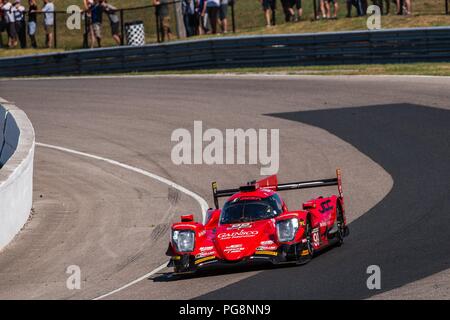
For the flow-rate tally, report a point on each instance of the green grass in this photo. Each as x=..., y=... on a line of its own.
x=413, y=69
x=249, y=21
x=425, y=69
x=4, y=53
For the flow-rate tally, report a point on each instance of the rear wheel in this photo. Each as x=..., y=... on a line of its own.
x=340, y=225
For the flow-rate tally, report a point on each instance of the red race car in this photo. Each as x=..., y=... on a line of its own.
x=255, y=225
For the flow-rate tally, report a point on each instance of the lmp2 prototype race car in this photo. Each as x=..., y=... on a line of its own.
x=255, y=225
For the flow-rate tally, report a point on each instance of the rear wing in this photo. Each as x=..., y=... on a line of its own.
x=271, y=183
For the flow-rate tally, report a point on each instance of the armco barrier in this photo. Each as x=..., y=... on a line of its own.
x=356, y=47
x=16, y=172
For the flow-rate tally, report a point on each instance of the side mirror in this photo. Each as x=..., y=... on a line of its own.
x=187, y=218
x=212, y=217
x=309, y=205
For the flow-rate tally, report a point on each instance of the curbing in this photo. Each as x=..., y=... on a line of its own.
x=16, y=176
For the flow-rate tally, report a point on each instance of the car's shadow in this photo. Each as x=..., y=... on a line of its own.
x=221, y=271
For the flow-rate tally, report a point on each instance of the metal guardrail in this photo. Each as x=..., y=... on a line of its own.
x=357, y=47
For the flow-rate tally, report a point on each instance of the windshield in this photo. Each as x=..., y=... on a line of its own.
x=250, y=210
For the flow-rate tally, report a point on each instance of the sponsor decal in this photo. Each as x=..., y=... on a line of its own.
x=206, y=248
x=235, y=248
x=204, y=254
x=315, y=236
x=264, y=248
x=250, y=198
x=304, y=253
x=325, y=206
x=267, y=245
x=202, y=233
x=237, y=234
x=240, y=226
x=204, y=259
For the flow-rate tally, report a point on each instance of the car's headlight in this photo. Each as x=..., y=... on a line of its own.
x=184, y=240
x=286, y=229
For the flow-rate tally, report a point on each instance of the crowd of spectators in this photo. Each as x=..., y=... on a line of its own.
x=93, y=13
x=199, y=17
x=205, y=16
x=403, y=7
x=13, y=22
x=329, y=9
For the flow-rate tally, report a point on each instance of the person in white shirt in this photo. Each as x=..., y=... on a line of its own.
x=49, y=21
x=212, y=8
x=8, y=14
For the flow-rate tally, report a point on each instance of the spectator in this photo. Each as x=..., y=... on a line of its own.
x=97, y=19
x=89, y=32
x=383, y=4
x=114, y=20
x=212, y=8
x=269, y=7
x=297, y=4
x=162, y=12
x=399, y=5
x=188, y=9
x=287, y=10
x=364, y=5
x=223, y=13
x=358, y=5
x=21, y=29
x=199, y=29
x=49, y=20
x=404, y=7
x=8, y=14
x=323, y=9
x=2, y=25
x=328, y=8
x=32, y=18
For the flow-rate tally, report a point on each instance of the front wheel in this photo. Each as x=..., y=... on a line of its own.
x=307, y=251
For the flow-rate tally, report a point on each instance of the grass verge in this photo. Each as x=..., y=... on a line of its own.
x=249, y=21
x=421, y=69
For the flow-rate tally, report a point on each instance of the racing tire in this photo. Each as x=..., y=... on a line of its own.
x=308, y=244
x=341, y=226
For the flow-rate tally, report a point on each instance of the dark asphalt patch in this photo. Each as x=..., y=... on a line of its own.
x=407, y=234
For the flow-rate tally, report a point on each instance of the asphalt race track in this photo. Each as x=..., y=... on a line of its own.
x=389, y=135
x=403, y=233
